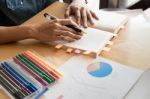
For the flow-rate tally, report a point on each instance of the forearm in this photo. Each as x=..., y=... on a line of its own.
x=16, y=33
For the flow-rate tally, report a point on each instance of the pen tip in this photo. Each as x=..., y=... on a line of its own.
x=45, y=14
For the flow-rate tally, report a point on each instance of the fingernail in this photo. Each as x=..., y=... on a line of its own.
x=78, y=37
x=79, y=24
x=85, y=25
x=92, y=23
x=81, y=33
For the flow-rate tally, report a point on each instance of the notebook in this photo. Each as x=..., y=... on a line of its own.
x=98, y=36
x=94, y=41
x=110, y=21
x=87, y=78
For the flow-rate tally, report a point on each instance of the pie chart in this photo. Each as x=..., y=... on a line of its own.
x=99, y=69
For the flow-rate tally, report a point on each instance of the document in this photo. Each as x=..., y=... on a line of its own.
x=87, y=78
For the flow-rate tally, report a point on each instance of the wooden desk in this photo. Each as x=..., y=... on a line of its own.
x=131, y=46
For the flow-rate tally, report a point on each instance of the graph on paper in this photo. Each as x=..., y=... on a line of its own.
x=99, y=69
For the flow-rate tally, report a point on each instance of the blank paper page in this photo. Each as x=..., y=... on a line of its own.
x=94, y=40
x=109, y=21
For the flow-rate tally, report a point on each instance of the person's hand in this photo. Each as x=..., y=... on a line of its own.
x=79, y=9
x=55, y=30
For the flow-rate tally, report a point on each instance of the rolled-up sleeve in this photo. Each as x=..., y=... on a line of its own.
x=21, y=10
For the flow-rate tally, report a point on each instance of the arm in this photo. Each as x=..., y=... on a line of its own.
x=16, y=33
x=45, y=32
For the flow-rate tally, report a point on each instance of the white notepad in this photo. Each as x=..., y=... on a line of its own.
x=94, y=40
x=97, y=37
x=110, y=21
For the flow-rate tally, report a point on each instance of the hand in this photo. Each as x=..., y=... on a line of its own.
x=79, y=9
x=55, y=30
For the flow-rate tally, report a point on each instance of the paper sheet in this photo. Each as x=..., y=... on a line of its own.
x=147, y=14
x=109, y=21
x=142, y=88
x=84, y=79
x=93, y=41
x=129, y=13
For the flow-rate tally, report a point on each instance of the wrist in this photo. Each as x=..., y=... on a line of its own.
x=27, y=31
x=31, y=31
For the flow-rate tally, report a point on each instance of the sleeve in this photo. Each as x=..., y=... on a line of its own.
x=146, y=1
x=19, y=10
x=2, y=4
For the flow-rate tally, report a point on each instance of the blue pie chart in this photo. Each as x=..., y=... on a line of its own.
x=99, y=69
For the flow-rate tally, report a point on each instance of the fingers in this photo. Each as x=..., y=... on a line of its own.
x=90, y=18
x=88, y=15
x=68, y=11
x=78, y=16
x=65, y=28
x=65, y=38
x=84, y=17
x=67, y=22
x=69, y=25
x=76, y=12
x=68, y=34
x=94, y=15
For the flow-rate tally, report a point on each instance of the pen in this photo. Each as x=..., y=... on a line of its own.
x=16, y=81
x=21, y=76
x=31, y=87
x=51, y=69
x=50, y=17
x=40, y=66
x=40, y=94
x=42, y=81
x=12, y=90
x=22, y=91
x=34, y=58
x=35, y=69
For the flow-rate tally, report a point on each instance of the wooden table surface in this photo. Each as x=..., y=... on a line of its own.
x=131, y=46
